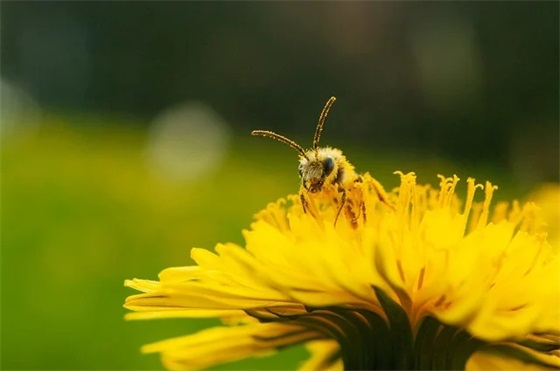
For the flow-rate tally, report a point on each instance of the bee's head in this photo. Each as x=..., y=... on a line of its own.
x=317, y=165
x=315, y=170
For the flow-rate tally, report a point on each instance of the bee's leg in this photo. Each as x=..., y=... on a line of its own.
x=352, y=217
x=342, y=202
x=359, y=179
x=303, y=202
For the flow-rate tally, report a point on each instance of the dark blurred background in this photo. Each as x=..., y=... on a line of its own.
x=470, y=81
x=125, y=136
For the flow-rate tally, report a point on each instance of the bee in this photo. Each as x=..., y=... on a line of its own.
x=324, y=165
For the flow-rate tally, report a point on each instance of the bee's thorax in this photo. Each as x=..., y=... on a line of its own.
x=324, y=166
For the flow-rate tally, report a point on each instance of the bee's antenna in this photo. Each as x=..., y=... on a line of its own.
x=321, y=123
x=280, y=138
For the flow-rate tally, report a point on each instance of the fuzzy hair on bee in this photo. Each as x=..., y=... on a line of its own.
x=320, y=166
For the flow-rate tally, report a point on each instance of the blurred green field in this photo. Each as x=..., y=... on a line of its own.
x=82, y=211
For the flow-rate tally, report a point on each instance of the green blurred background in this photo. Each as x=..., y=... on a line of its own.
x=125, y=137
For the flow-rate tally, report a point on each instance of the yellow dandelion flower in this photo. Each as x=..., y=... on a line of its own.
x=547, y=197
x=435, y=283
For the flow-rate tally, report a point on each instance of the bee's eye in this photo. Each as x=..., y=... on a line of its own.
x=328, y=165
